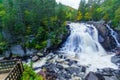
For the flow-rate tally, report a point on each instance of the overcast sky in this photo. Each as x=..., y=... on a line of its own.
x=72, y=3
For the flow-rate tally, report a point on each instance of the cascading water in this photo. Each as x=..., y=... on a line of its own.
x=82, y=45
x=114, y=35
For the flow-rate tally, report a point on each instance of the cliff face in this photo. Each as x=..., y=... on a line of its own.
x=105, y=37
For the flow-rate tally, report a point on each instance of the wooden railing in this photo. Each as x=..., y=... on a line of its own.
x=13, y=67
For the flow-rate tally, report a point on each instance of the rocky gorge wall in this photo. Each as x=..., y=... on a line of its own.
x=105, y=37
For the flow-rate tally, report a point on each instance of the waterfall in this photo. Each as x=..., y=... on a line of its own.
x=114, y=35
x=82, y=45
x=83, y=39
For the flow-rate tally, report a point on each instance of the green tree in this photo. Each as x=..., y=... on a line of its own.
x=82, y=8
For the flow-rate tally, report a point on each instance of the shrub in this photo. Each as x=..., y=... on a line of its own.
x=29, y=74
x=3, y=46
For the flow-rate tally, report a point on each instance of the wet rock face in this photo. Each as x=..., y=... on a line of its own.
x=59, y=67
x=35, y=58
x=109, y=73
x=102, y=32
x=101, y=39
x=30, y=52
x=104, y=74
x=17, y=50
x=94, y=76
x=7, y=54
x=100, y=25
x=62, y=73
x=117, y=51
x=118, y=35
x=116, y=59
x=105, y=38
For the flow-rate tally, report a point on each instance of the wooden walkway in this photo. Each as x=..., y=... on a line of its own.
x=3, y=76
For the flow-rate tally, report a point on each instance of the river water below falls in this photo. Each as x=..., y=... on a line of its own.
x=82, y=45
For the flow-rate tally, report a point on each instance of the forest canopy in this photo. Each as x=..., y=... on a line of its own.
x=32, y=23
x=108, y=10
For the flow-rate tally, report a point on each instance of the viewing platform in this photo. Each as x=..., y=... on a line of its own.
x=11, y=69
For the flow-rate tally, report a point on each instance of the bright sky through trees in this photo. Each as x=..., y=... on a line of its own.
x=72, y=3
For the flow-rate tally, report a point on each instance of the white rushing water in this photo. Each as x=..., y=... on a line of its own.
x=82, y=44
x=114, y=35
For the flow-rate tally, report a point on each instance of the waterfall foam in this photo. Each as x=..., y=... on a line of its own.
x=83, y=44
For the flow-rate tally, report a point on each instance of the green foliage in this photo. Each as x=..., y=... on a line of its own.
x=2, y=13
x=117, y=15
x=28, y=30
x=108, y=10
x=44, y=19
x=1, y=37
x=3, y=46
x=29, y=74
x=41, y=34
x=88, y=16
x=106, y=17
x=41, y=45
x=37, y=46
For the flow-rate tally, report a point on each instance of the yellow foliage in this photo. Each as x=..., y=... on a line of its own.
x=65, y=23
x=79, y=16
x=106, y=17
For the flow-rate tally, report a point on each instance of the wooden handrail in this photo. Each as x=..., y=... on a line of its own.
x=16, y=70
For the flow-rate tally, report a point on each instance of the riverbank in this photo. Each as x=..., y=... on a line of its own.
x=60, y=67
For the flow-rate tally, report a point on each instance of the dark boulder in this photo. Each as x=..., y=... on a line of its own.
x=115, y=76
x=94, y=76
x=115, y=59
x=35, y=58
x=116, y=50
x=30, y=51
x=40, y=54
x=106, y=71
x=71, y=62
x=111, y=78
x=73, y=70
